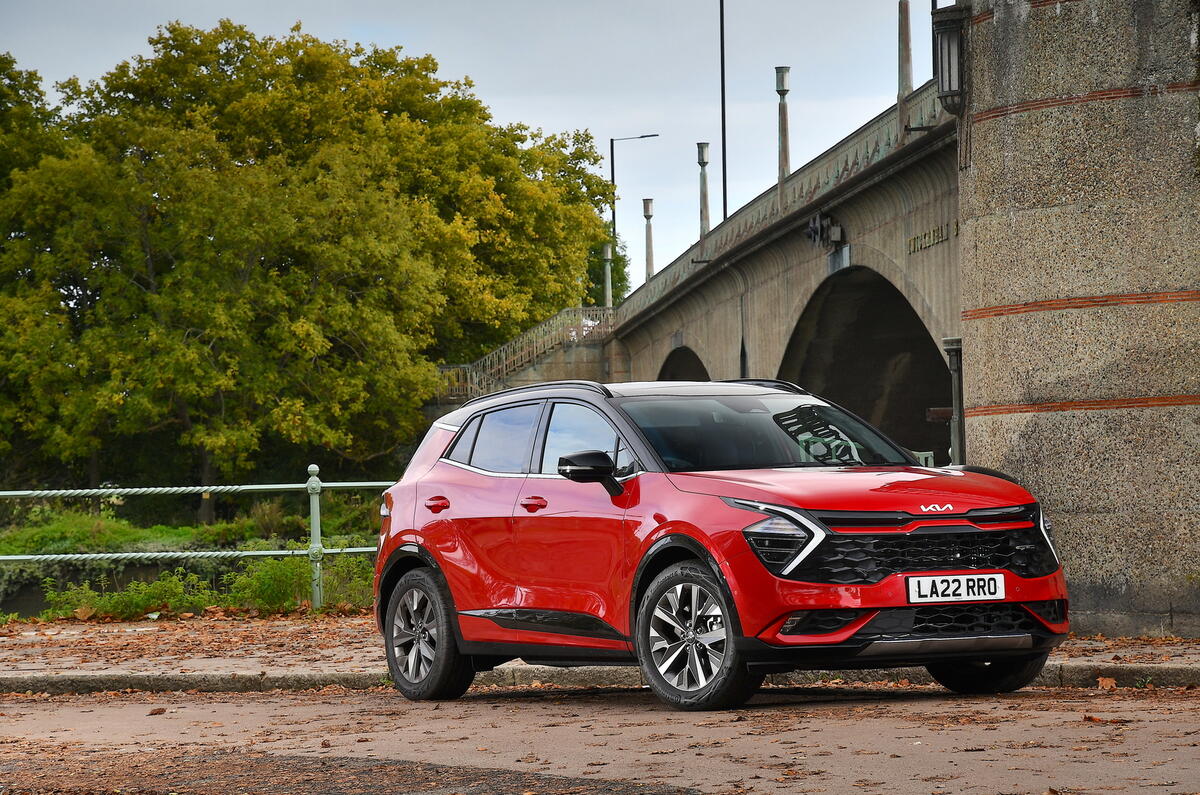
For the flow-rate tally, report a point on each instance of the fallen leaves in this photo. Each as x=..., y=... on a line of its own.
x=1115, y=721
x=157, y=711
x=1106, y=683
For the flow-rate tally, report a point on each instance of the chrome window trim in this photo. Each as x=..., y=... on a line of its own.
x=445, y=427
x=479, y=471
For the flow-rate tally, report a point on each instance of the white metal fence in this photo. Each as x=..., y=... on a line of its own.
x=315, y=553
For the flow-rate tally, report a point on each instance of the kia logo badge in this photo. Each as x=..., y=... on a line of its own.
x=936, y=507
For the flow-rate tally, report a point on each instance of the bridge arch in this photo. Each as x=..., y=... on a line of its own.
x=682, y=364
x=860, y=343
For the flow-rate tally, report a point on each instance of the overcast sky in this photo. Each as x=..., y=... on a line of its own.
x=616, y=68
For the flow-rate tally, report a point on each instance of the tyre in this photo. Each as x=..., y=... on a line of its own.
x=421, y=652
x=1003, y=675
x=685, y=642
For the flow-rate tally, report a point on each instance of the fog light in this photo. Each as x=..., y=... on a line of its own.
x=819, y=622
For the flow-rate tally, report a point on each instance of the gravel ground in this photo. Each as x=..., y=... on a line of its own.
x=860, y=738
x=335, y=644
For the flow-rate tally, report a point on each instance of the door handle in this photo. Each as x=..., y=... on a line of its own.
x=532, y=504
x=437, y=504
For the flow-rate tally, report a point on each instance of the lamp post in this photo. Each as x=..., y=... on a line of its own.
x=612, y=173
x=948, y=41
x=724, y=150
x=702, y=160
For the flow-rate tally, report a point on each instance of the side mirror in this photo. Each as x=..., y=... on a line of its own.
x=591, y=466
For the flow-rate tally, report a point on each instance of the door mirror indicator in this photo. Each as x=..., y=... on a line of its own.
x=591, y=466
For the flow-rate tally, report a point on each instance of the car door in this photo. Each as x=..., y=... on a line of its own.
x=467, y=499
x=570, y=537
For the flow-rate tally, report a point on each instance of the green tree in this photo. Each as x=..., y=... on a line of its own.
x=249, y=240
x=595, y=274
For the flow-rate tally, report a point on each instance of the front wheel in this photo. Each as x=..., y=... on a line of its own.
x=422, y=656
x=685, y=642
x=1003, y=675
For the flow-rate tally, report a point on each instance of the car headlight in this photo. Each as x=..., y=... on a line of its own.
x=783, y=539
x=1047, y=532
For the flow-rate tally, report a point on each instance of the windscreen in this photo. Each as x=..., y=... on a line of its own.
x=702, y=433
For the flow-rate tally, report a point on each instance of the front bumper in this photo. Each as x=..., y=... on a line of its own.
x=891, y=653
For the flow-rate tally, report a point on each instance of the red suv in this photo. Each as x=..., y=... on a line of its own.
x=710, y=533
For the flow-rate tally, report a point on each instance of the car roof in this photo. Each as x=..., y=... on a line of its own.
x=683, y=388
x=598, y=392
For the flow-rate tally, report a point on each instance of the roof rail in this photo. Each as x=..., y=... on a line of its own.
x=571, y=384
x=774, y=383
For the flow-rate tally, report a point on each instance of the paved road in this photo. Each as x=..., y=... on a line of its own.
x=834, y=738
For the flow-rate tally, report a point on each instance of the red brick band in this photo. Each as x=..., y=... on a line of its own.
x=1082, y=302
x=984, y=16
x=1084, y=405
x=1106, y=95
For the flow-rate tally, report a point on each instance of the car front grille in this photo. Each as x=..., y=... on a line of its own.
x=866, y=558
x=934, y=621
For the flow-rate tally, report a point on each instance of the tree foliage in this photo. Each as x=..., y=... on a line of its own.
x=249, y=243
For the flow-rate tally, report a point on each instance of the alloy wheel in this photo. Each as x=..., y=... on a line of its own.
x=415, y=634
x=687, y=636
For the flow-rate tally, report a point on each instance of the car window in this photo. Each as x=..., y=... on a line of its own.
x=573, y=428
x=502, y=444
x=700, y=433
x=461, y=450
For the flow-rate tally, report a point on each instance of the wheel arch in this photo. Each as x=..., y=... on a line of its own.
x=666, y=552
x=404, y=559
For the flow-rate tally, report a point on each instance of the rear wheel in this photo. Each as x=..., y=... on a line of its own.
x=422, y=656
x=685, y=642
x=1003, y=675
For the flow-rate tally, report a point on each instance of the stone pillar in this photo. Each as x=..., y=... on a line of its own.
x=648, y=213
x=702, y=159
x=1080, y=209
x=904, y=84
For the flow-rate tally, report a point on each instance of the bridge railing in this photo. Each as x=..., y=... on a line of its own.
x=864, y=147
x=570, y=326
x=315, y=553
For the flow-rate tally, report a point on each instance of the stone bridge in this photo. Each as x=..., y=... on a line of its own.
x=1053, y=225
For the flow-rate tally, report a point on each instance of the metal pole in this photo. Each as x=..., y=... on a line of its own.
x=724, y=148
x=612, y=173
x=608, y=274
x=702, y=159
x=612, y=180
x=953, y=348
x=315, y=550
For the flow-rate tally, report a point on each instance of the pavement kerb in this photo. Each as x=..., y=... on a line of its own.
x=1056, y=674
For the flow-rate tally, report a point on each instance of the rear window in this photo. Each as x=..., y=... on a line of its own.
x=465, y=443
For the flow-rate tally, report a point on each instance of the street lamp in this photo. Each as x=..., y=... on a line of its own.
x=948, y=62
x=612, y=173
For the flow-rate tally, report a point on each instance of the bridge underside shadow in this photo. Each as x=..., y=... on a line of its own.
x=860, y=344
x=683, y=364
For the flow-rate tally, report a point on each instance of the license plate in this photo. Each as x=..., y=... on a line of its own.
x=956, y=588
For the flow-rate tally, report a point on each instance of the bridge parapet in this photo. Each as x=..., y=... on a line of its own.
x=807, y=185
x=590, y=324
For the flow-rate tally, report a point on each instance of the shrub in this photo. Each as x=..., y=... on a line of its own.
x=270, y=584
x=173, y=592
